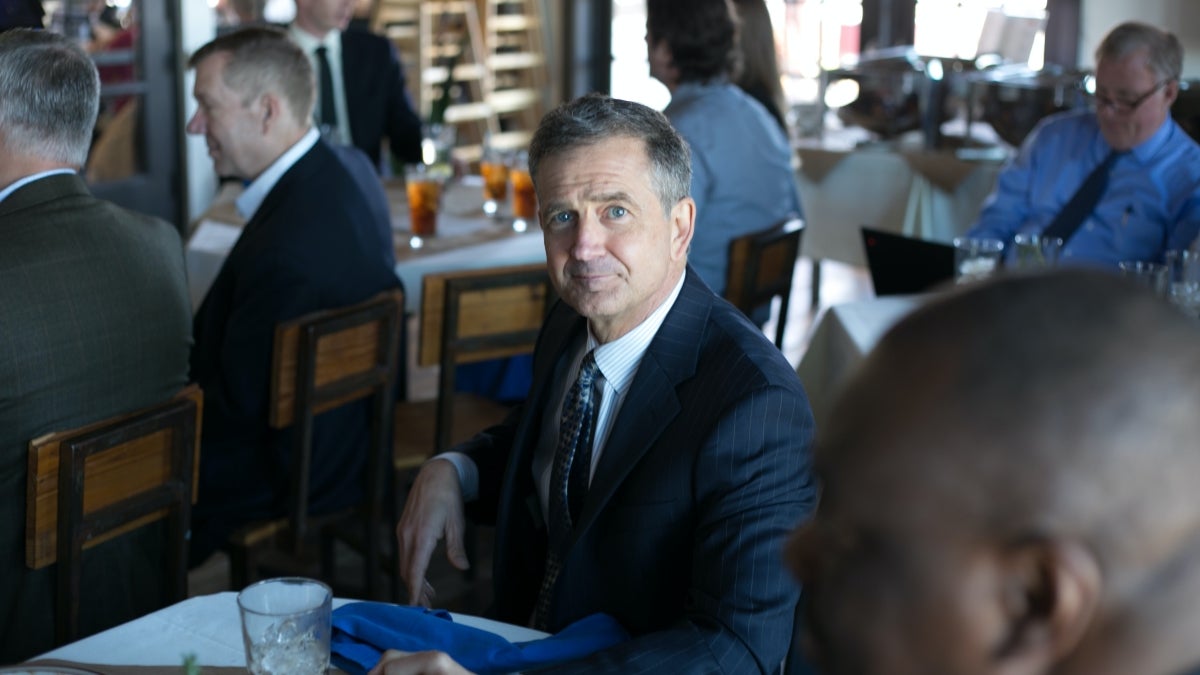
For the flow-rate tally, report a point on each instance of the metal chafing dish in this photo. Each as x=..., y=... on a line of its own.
x=1014, y=99
x=897, y=91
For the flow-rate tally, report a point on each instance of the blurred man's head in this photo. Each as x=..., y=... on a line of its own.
x=691, y=40
x=1137, y=79
x=612, y=180
x=320, y=17
x=254, y=94
x=1009, y=488
x=49, y=98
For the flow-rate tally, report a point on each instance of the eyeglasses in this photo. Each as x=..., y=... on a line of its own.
x=1125, y=107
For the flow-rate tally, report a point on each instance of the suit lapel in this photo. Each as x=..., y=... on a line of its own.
x=652, y=403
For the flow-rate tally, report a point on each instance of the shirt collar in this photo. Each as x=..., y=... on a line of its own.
x=618, y=360
x=252, y=197
x=1149, y=147
x=22, y=182
x=307, y=42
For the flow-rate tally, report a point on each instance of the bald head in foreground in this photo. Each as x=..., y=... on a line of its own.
x=1023, y=500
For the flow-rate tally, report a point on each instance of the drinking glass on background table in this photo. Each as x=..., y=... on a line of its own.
x=494, y=168
x=286, y=626
x=424, y=190
x=1147, y=274
x=1183, y=281
x=976, y=259
x=524, y=199
x=1036, y=251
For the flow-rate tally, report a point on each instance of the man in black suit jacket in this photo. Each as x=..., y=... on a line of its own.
x=94, y=322
x=311, y=242
x=696, y=463
x=368, y=96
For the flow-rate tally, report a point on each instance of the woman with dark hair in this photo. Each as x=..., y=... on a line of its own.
x=760, y=69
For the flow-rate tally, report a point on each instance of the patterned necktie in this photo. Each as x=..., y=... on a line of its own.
x=327, y=111
x=569, y=476
x=1082, y=203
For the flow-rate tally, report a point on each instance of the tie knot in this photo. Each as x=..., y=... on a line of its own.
x=588, y=370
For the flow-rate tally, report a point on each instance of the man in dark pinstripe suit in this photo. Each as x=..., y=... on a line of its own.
x=94, y=322
x=699, y=461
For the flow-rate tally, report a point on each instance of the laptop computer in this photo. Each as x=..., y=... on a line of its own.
x=901, y=265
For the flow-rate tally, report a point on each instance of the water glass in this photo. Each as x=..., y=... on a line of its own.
x=1036, y=251
x=286, y=626
x=1183, y=281
x=1146, y=274
x=976, y=259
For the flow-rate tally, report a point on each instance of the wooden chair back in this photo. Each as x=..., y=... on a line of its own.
x=325, y=360
x=91, y=484
x=761, y=267
x=477, y=315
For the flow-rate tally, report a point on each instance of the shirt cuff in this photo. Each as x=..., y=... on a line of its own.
x=468, y=473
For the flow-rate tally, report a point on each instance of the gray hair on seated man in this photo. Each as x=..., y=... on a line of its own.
x=49, y=97
x=593, y=118
x=1163, y=51
x=1009, y=486
x=263, y=58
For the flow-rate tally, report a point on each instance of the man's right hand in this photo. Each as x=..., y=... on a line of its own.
x=434, y=510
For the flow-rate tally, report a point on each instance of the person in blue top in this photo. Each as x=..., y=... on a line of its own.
x=742, y=178
x=1152, y=200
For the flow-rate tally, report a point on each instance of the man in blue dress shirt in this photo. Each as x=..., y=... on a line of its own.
x=742, y=178
x=1152, y=201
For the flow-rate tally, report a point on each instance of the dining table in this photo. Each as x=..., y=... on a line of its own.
x=843, y=337
x=206, y=627
x=466, y=237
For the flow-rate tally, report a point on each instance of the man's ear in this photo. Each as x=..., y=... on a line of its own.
x=269, y=109
x=683, y=225
x=1051, y=591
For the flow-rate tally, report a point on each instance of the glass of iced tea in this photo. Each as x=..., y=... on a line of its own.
x=494, y=168
x=424, y=190
x=524, y=199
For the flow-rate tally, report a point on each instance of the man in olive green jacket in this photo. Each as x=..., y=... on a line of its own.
x=94, y=322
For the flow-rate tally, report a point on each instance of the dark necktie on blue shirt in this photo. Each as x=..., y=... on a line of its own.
x=327, y=111
x=1083, y=202
x=569, y=476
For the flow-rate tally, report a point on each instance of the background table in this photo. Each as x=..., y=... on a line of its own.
x=467, y=239
x=844, y=335
x=208, y=626
x=933, y=195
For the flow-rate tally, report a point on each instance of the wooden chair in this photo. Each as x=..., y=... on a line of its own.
x=91, y=484
x=466, y=317
x=323, y=361
x=761, y=266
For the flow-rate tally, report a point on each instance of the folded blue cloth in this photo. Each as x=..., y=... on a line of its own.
x=363, y=630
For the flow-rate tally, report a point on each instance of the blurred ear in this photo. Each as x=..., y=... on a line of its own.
x=1172, y=91
x=1051, y=592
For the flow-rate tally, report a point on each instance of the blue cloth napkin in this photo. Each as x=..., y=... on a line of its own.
x=363, y=630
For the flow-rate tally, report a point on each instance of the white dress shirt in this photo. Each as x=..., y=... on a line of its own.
x=618, y=362
x=252, y=197
x=333, y=53
x=22, y=182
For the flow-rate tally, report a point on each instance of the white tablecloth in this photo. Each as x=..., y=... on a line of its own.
x=844, y=335
x=926, y=194
x=209, y=627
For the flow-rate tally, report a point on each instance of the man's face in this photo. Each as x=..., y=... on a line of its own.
x=612, y=252
x=1131, y=101
x=321, y=16
x=893, y=581
x=662, y=67
x=232, y=129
